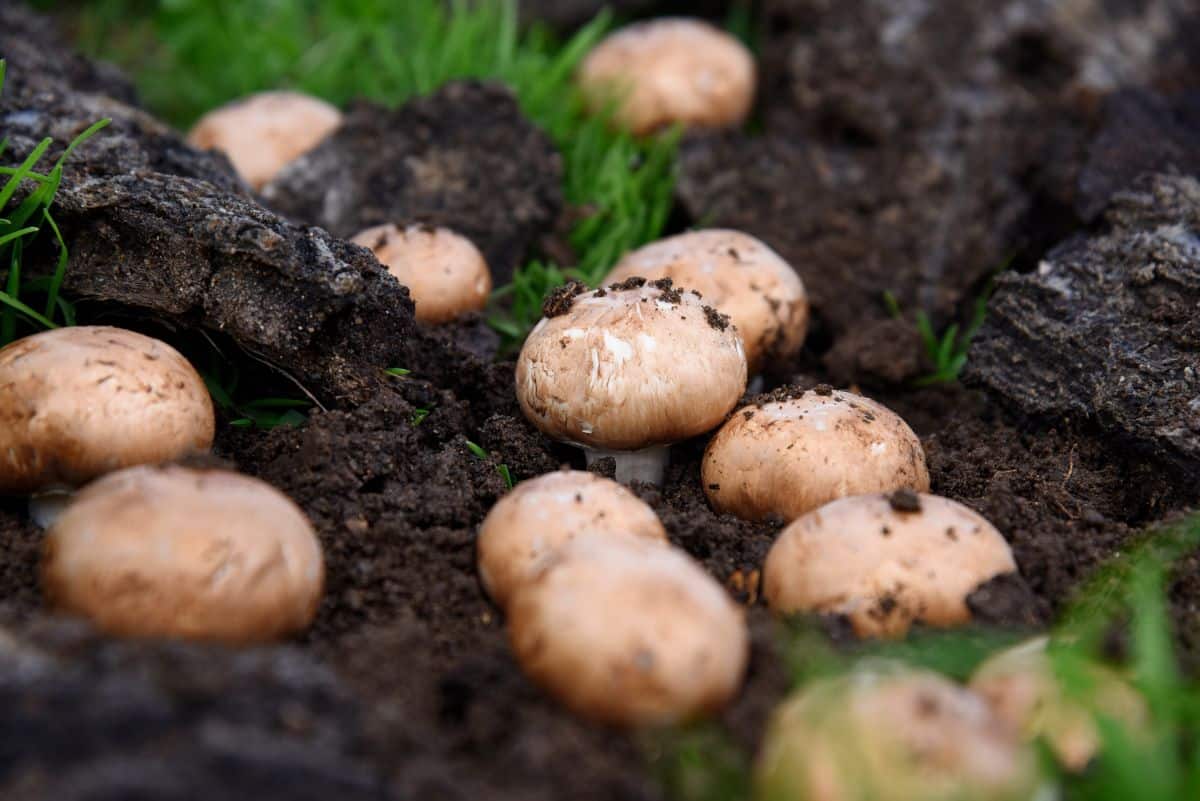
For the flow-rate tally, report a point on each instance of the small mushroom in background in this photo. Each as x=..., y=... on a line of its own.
x=76, y=403
x=176, y=552
x=791, y=453
x=628, y=370
x=885, y=562
x=628, y=632
x=1023, y=689
x=263, y=132
x=671, y=70
x=737, y=275
x=888, y=733
x=445, y=273
x=541, y=515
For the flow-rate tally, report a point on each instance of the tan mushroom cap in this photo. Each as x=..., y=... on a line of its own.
x=263, y=132
x=624, y=369
x=672, y=70
x=871, y=559
x=887, y=733
x=787, y=457
x=76, y=403
x=625, y=631
x=739, y=276
x=445, y=273
x=541, y=515
x=175, y=552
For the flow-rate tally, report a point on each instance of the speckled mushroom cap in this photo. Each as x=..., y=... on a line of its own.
x=263, y=132
x=885, y=562
x=671, y=70
x=631, y=366
x=175, y=552
x=791, y=452
x=888, y=733
x=737, y=275
x=76, y=403
x=542, y=514
x=625, y=631
x=445, y=273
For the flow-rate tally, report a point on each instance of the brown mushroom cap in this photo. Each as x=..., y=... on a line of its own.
x=738, y=275
x=175, y=552
x=542, y=514
x=625, y=631
x=76, y=403
x=624, y=369
x=444, y=272
x=786, y=457
x=883, y=565
x=668, y=71
x=263, y=132
x=888, y=733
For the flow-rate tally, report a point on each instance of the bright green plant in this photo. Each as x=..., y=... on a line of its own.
x=223, y=380
x=479, y=453
x=948, y=350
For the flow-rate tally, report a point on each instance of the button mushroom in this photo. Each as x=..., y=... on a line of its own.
x=885, y=562
x=175, y=552
x=627, y=370
x=628, y=632
x=792, y=452
x=263, y=132
x=542, y=514
x=668, y=71
x=739, y=276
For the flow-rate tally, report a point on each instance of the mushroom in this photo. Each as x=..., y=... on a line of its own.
x=671, y=70
x=627, y=370
x=176, y=552
x=1024, y=689
x=791, y=452
x=739, y=276
x=542, y=514
x=444, y=272
x=263, y=132
x=885, y=561
x=625, y=631
x=889, y=733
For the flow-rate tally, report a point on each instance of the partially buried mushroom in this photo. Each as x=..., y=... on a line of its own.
x=444, y=272
x=627, y=370
x=541, y=515
x=176, y=552
x=885, y=562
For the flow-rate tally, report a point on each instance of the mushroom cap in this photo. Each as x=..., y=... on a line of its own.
x=540, y=515
x=629, y=368
x=739, y=276
x=445, y=273
x=625, y=631
x=884, y=567
x=176, y=552
x=671, y=70
x=783, y=458
x=888, y=733
x=263, y=132
x=76, y=403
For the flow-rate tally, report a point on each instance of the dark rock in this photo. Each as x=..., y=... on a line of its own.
x=1007, y=600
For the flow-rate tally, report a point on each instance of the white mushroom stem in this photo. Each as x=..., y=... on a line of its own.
x=46, y=507
x=645, y=465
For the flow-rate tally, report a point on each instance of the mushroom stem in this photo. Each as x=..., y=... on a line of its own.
x=645, y=465
x=46, y=507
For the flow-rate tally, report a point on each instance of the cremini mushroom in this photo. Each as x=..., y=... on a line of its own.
x=737, y=275
x=444, y=272
x=542, y=514
x=176, y=552
x=627, y=370
x=791, y=452
x=670, y=70
x=885, y=561
x=888, y=733
x=263, y=132
x=625, y=631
